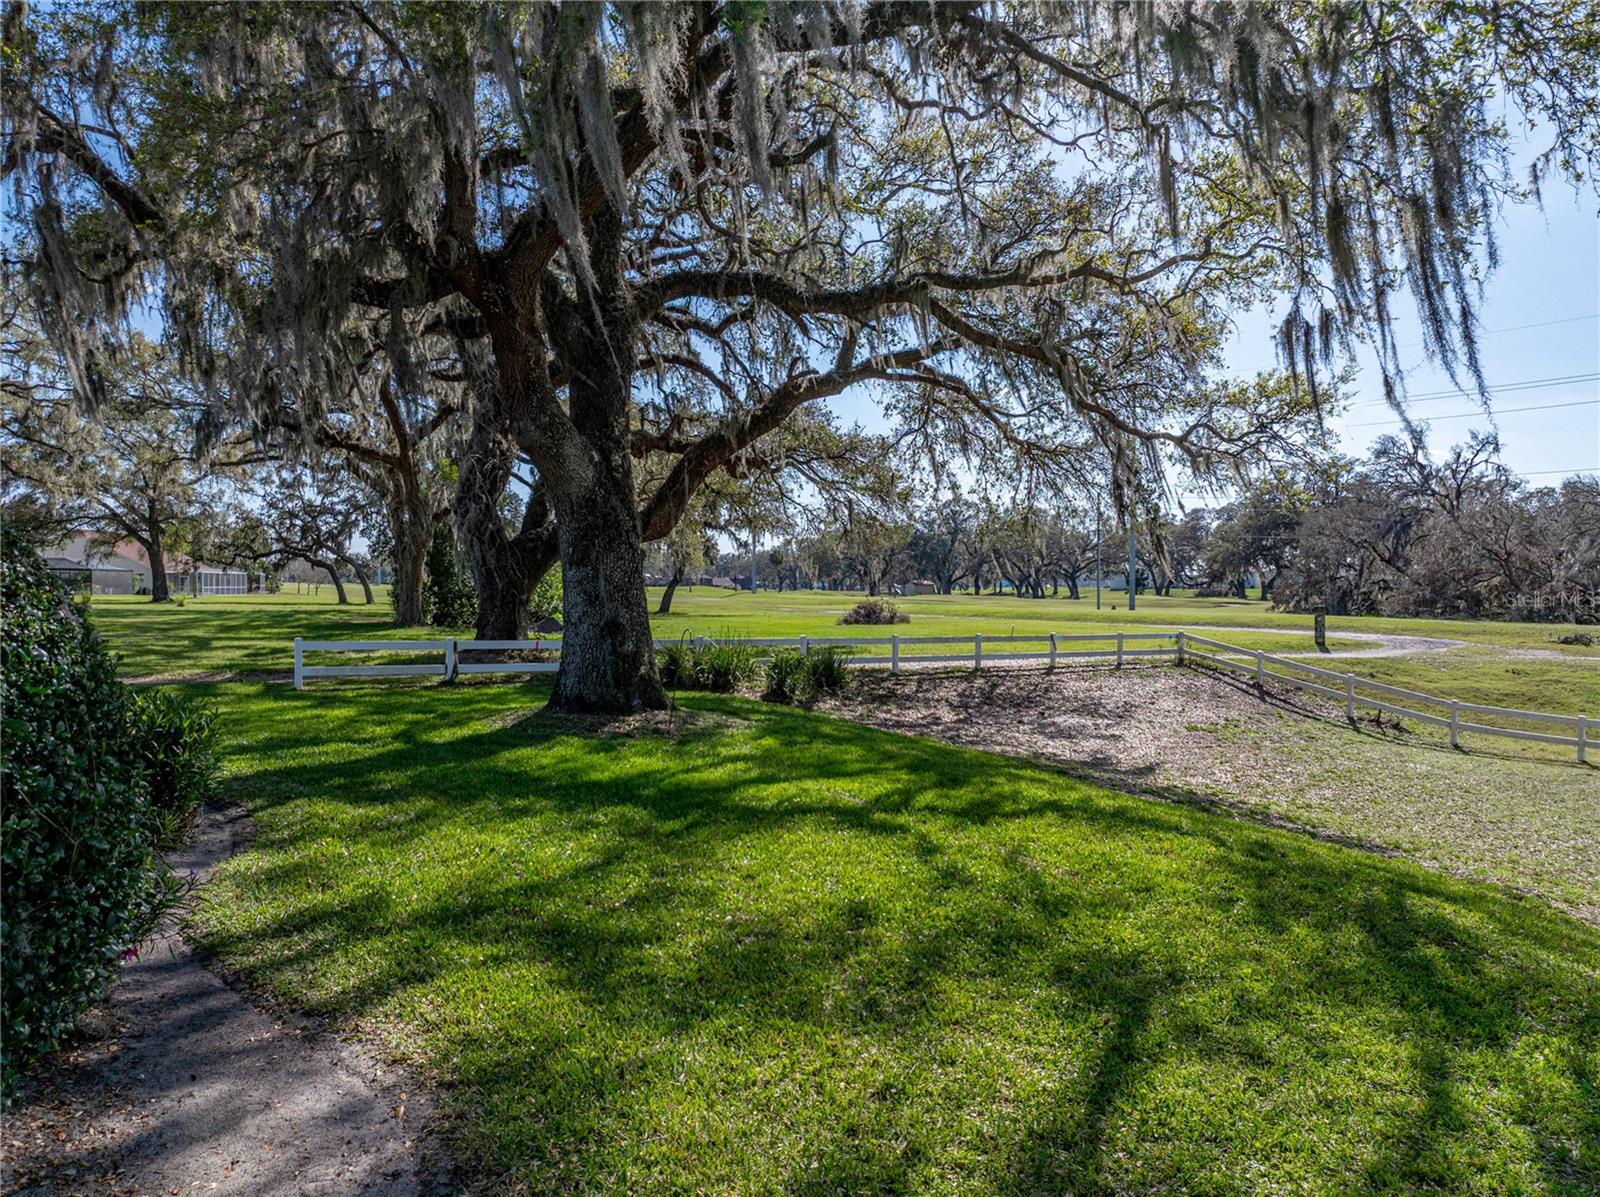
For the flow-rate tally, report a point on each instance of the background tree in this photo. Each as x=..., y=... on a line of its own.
x=870, y=544
x=131, y=470
x=309, y=510
x=687, y=549
x=942, y=544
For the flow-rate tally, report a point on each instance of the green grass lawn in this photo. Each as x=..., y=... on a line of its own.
x=1519, y=813
x=781, y=953
x=811, y=612
x=255, y=634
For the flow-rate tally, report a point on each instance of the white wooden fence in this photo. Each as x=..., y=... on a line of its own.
x=1184, y=648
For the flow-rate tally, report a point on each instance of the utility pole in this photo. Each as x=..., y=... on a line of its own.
x=1133, y=568
x=752, y=558
x=1097, y=556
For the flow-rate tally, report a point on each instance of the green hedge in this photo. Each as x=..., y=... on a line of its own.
x=91, y=778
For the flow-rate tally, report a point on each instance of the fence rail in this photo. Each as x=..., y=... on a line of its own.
x=1185, y=648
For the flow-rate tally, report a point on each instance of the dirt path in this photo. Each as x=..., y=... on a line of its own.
x=1389, y=644
x=179, y=1085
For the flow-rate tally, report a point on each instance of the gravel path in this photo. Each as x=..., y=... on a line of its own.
x=1389, y=645
x=179, y=1085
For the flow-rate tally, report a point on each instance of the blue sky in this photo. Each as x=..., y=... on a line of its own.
x=1539, y=319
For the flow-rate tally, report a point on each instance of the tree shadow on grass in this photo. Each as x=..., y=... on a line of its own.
x=772, y=878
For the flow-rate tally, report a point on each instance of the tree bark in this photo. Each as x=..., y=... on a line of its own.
x=411, y=529
x=665, y=607
x=333, y=574
x=608, y=661
x=159, y=592
x=361, y=576
x=505, y=569
x=585, y=462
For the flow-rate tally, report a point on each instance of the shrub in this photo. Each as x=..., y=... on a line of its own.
x=1584, y=638
x=785, y=676
x=676, y=665
x=721, y=666
x=874, y=611
x=449, y=598
x=78, y=830
x=801, y=679
x=546, y=598
x=177, y=741
x=827, y=672
x=725, y=667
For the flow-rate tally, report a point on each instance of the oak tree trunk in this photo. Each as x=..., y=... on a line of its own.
x=608, y=660
x=411, y=539
x=159, y=592
x=665, y=607
x=505, y=569
x=608, y=663
x=333, y=573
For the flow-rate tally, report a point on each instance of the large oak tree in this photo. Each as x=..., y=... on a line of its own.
x=666, y=229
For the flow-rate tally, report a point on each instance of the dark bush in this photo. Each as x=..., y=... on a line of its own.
x=721, y=666
x=676, y=665
x=1585, y=639
x=78, y=829
x=826, y=671
x=785, y=676
x=801, y=679
x=874, y=611
x=177, y=739
x=449, y=598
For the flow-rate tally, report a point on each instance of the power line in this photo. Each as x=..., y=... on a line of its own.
x=1503, y=388
x=1548, y=381
x=1487, y=332
x=1467, y=415
x=1542, y=324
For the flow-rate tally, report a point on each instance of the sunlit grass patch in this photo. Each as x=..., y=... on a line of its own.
x=769, y=951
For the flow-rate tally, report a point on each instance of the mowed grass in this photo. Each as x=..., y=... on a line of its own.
x=233, y=633
x=1517, y=665
x=1522, y=814
x=786, y=613
x=772, y=952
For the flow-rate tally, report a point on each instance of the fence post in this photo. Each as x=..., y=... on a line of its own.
x=1583, y=739
x=1258, y=669
x=894, y=653
x=805, y=646
x=1119, y=650
x=977, y=650
x=299, y=666
x=1052, y=650
x=449, y=658
x=1350, y=697
x=1180, y=647
x=1455, y=724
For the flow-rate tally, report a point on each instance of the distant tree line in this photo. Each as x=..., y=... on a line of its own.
x=1395, y=534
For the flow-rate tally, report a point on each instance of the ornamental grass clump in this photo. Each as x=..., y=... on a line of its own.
x=721, y=666
x=798, y=679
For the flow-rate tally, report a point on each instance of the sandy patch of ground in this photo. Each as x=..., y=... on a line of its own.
x=1277, y=756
